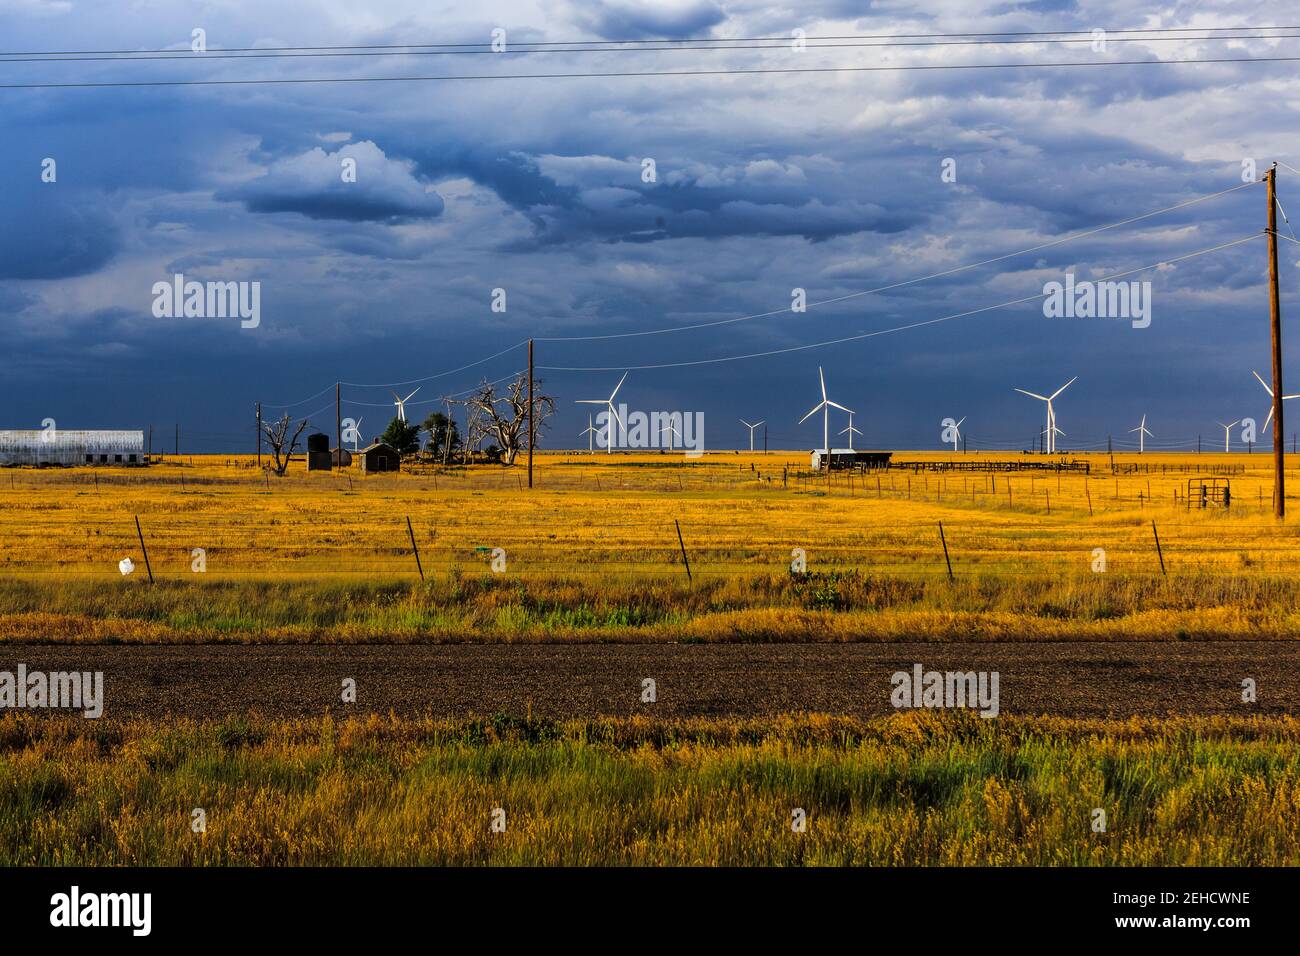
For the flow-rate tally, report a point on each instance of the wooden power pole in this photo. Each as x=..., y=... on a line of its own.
x=532, y=435
x=259, y=435
x=1275, y=323
x=338, y=424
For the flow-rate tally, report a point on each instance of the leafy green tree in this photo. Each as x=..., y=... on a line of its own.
x=403, y=436
x=440, y=432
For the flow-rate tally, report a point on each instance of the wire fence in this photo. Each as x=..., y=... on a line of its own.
x=590, y=519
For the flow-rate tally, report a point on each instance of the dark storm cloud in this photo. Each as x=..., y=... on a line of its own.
x=630, y=20
x=765, y=183
x=53, y=232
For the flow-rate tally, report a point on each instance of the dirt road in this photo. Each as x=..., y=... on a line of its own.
x=1069, y=679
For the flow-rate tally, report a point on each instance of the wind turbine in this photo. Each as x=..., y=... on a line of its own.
x=1268, y=420
x=1227, y=435
x=1142, y=434
x=851, y=431
x=825, y=408
x=671, y=429
x=751, y=430
x=613, y=412
x=956, y=432
x=1052, y=431
x=590, y=432
x=401, y=403
x=356, y=432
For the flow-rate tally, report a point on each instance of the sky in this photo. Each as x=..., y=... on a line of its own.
x=837, y=183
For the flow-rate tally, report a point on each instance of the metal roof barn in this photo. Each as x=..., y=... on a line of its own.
x=66, y=447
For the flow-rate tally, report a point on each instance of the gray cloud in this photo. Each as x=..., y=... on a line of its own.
x=312, y=184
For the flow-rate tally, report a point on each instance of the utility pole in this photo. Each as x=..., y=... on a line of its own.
x=1198, y=444
x=150, y=441
x=178, y=439
x=764, y=439
x=259, y=435
x=338, y=423
x=531, y=434
x=1110, y=448
x=446, y=442
x=1275, y=323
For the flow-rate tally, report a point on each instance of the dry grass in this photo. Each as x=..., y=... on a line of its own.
x=592, y=553
x=905, y=790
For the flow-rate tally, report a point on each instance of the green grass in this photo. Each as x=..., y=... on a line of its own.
x=839, y=605
x=913, y=789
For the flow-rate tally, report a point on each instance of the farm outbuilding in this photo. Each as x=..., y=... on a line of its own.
x=318, y=452
x=380, y=457
x=848, y=458
x=67, y=447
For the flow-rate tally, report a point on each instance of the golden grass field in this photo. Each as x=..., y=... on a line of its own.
x=915, y=789
x=592, y=551
x=592, y=554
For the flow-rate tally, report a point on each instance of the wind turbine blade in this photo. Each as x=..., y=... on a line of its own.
x=822, y=376
x=746, y=424
x=614, y=411
x=1064, y=387
x=1041, y=398
x=958, y=425
x=811, y=414
x=618, y=386
x=1267, y=420
x=412, y=395
x=590, y=401
x=1262, y=382
x=840, y=407
x=763, y=422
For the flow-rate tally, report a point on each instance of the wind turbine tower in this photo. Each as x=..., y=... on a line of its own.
x=613, y=413
x=1142, y=434
x=1052, y=431
x=401, y=403
x=1227, y=433
x=824, y=407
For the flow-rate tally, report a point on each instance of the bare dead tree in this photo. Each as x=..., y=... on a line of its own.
x=505, y=416
x=474, y=431
x=282, y=445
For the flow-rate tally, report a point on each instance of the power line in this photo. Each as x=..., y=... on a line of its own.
x=932, y=67
x=907, y=282
x=679, y=40
x=427, y=378
x=521, y=50
x=901, y=328
x=429, y=401
x=300, y=402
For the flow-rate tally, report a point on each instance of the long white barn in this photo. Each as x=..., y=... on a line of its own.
x=65, y=447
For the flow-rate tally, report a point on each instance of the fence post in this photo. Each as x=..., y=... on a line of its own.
x=944, y=542
x=1158, y=550
x=414, y=547
x=682, y=545
x=140, y=534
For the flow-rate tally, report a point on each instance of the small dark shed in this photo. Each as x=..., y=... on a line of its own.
x=380, y=457
x=318, y=452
